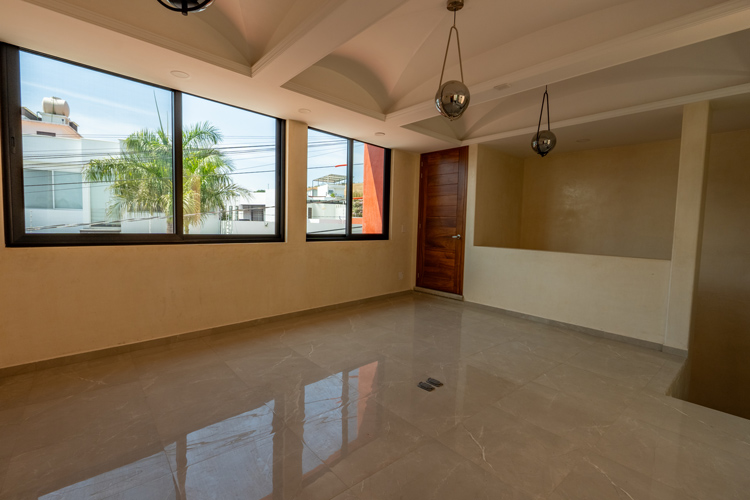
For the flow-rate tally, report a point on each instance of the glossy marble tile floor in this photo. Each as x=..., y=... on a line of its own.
x=327, y=406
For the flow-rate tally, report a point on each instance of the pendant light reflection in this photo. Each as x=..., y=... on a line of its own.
x=452, y=97
x=545, y=141
x=186, y=6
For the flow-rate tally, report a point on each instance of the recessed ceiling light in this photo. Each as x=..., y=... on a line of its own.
x=179, y=74
x=304, y=110
x=583, y=140
x=379, y=133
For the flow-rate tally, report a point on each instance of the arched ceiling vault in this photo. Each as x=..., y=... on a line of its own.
x=364, y=66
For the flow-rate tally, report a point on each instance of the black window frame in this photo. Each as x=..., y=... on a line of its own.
x=12, y=171
x=349, y=236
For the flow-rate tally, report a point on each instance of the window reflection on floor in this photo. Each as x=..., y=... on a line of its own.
x=256, y=448
x=344, y=428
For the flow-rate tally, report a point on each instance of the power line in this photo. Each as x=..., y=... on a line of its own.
x=82, y=183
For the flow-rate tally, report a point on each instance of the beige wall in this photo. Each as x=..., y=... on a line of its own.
x=498, y=199
x=625, y=296
x=720, y=350
x=616, y=201
x=59, y=301
x=688, y=223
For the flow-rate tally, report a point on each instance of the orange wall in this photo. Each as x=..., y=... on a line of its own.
x=372, y=209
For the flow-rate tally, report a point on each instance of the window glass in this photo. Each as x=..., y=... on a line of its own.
x=68, y=188
x=37, y=188
x=96, y=151
x=347, y=188
x=229, y=169
x=327, y=165
x=368, y=188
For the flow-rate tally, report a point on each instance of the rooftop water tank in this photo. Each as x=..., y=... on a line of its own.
x=55, y=106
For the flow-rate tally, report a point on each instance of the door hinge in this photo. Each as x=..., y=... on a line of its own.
x=420, y=226
x=417, y=275
x=421, y=176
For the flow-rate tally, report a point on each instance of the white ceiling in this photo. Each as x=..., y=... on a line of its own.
x=618, y=70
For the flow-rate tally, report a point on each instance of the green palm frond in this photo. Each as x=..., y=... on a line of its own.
x=140, y=177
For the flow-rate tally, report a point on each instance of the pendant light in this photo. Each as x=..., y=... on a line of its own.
x=543, y=142
x=186, y=6
x=452, y=97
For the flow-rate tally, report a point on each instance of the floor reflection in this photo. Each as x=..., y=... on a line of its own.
x=256, y=452
x=345, y=429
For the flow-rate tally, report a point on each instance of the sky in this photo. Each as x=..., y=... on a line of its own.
x=110, y=108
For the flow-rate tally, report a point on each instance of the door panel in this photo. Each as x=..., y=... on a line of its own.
x=439, y=180
x=446, y=211
x=443, y=190
x=441, y=222
x=448, y=201
x=442, y=211
x=441, y=258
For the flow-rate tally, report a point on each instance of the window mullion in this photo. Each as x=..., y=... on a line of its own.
x=12, y=152
x=177, y=174
x=349, y=179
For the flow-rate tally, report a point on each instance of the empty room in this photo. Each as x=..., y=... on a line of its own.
x=360, y=250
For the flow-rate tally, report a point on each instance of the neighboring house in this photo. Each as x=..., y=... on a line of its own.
x=58, y=200
x=326, y=204
x=254, y=215
x=329, y=186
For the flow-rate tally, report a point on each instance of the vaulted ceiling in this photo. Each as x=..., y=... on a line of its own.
x=615, y=68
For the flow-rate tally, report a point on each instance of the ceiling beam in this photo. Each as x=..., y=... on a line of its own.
x=332, y=99
x=435, y=135
x=335, y=24
x=723, y=19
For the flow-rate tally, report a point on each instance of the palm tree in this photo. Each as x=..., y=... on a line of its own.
x=141, y=176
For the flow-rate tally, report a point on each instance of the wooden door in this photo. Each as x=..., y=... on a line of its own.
x=442, y=214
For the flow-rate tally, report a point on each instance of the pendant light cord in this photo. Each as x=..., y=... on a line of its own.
x=545, y=97
x=458, y=43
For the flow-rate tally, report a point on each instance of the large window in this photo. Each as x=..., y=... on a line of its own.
x=95, y=158
x=347, y=188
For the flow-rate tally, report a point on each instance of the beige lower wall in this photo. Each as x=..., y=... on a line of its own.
x=61, y=301
x=612, y=294
x=620, y=295
x=616, y=201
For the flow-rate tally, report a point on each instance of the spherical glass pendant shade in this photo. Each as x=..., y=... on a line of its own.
x=452, y=99
x=190, y=5
x=545, y=143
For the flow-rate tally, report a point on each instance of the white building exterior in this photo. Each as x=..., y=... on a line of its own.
x=326, y=204
x=58, y=200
